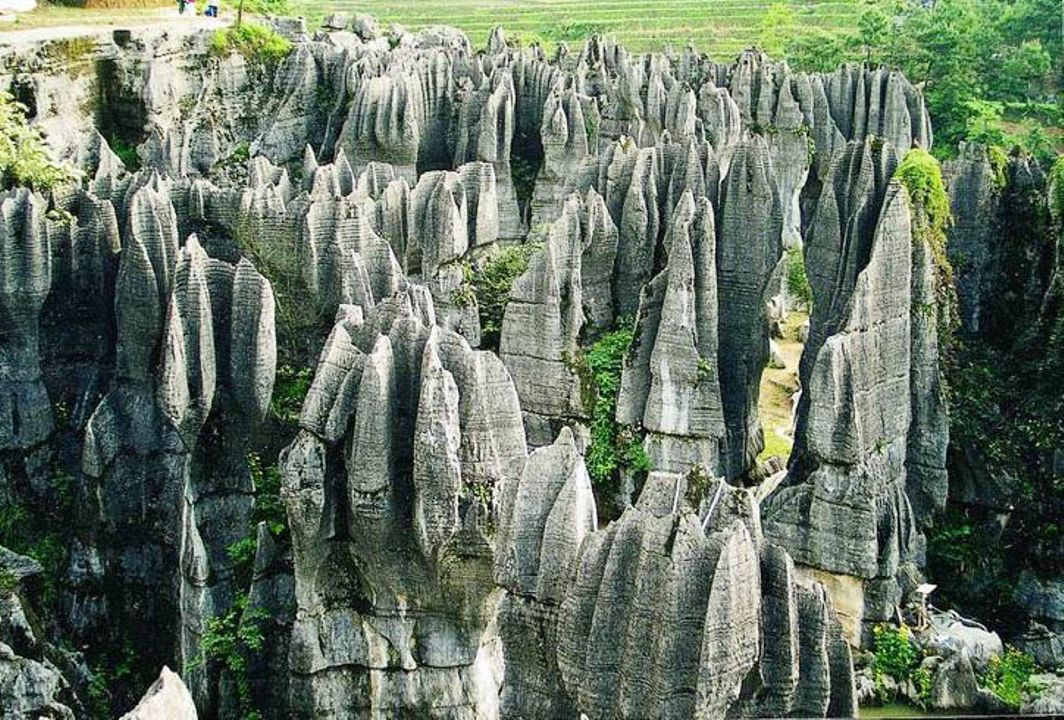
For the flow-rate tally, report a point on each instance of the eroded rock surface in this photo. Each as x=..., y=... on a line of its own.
x=443, y=553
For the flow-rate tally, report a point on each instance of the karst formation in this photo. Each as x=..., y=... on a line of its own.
x=251, y=339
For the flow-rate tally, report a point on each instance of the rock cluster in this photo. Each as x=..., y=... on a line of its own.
x=404, y=435
x=847, y=503
x=32, y=679
x=443, y=554
x=680, y=608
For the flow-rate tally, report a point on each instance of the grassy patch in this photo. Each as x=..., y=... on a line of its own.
x=231, y=639
x=778, y=385
x=921, y=174
x=256, y=43
x=797, y=280
x=72, y=50
x=49, y=15
x=1009, y=676
x=897, y=657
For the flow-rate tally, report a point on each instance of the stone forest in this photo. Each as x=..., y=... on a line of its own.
x=356, y=372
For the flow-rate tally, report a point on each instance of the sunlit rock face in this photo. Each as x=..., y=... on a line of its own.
x=446, y=553
x=863, y=478
x=406, y=433
x=678, y=609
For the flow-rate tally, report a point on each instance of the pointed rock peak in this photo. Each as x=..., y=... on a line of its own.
x=565, y=439
x=497, y=40
x=685, y=208
x=167, y=698
x=108, y=164
x=349, y=315
x=310, y=161
x=194, y=248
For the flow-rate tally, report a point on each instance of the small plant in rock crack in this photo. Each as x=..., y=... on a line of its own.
x=230, y=640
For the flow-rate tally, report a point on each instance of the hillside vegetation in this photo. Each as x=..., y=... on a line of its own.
x=719, y=27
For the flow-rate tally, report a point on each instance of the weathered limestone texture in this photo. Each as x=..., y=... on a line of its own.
x=31, y=683
x=844, y=507
x=664, y=613
x=976, y=205
x=315, y=229
x=406, y=433
x=749, y=249
x=671, y=386
x=168, y=698
x=566, y=287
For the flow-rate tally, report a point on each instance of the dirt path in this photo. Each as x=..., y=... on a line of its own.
x=162, y=19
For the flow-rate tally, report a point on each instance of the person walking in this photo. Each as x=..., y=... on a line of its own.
x=180, y=7
x=212, y=9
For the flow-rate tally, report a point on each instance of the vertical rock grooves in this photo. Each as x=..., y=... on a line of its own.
x=329, y=219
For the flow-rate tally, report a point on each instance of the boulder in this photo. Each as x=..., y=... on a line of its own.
x=166, y=699
x=954, y=686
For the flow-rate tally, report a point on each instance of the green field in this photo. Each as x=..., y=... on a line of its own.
x=719, y=27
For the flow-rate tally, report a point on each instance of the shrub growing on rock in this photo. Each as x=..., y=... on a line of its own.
x=24, y=158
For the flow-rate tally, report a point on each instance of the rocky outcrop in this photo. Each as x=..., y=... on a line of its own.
x=167, y=698
x=749, y=248
x=406, y=433
x=334, y=206
x=31, y=682
x=566, y=291
x=619, y=606
x=844, y=507
x=670, y=385
x=25, y=413
x=976, y=199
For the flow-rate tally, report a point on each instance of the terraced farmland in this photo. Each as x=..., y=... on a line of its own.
x=719, y=27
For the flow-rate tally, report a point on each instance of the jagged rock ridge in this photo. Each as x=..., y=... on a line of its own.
x=445, y=551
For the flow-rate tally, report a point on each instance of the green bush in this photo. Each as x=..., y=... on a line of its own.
x=999, y=163
x=797, y=280
x=29, y=534
x=895, y=656
x=269, y=508
x=24, y=158
x=268, y=7
x=921, y=174
x=231, y=639
x=255, y=42
x=290, y=388
x=489, y=286
x=1008, y=676
x=613, y=446
x=118, y=668
x=125, y=152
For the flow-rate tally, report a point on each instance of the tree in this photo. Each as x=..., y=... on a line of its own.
x=776, y=27
x=1024, y=70
x=873, y=30
x=24, y=158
